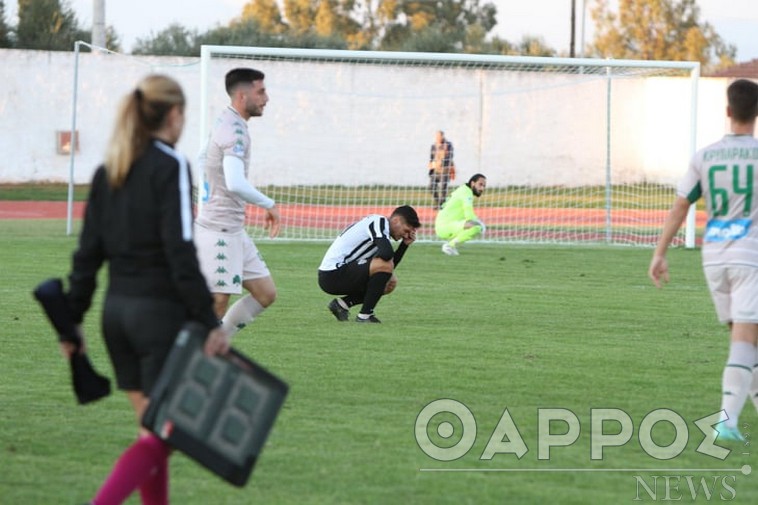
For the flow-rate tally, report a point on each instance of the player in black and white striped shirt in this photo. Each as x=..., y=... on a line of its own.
x=359, y=265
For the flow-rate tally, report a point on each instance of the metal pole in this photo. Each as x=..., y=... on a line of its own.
x=572, y=44
x=608, y=188
x=481, y=121
x=691, y=224
x=584, y=22
x=98, y=23
x=72, y=153
x=199, y=176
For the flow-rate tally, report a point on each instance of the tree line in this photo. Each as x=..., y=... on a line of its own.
x=638, y=29
x=47, y=25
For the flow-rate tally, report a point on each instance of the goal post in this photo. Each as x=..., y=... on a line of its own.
x=574, y=150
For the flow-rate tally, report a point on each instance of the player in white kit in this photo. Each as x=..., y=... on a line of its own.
x=724, y=174
x=228, y=257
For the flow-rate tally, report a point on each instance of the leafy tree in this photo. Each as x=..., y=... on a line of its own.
x=499, y=46
x=249, y=33
x=47, y=25
x=403, y=25
x=313, y=41
x=385, y=24
x=310, y=23
x=531, y=45
x=474, y=41
x=300, y=15
x=112, y=40
x=420, y=15
x=238, y=33
x=419, y=23
x=337, y=19
x=179, y=41
x=657, y=30
x=266, y=14
x=175, y=40
x=326, y=20
x=429, y=40
x=5, y=31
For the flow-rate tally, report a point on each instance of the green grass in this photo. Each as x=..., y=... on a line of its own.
x=42, y=191
x=500, y=327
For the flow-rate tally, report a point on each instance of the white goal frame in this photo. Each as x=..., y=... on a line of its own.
x=692, y=69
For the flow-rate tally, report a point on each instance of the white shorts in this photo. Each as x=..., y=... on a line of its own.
x=734, y=290
x=228, y=259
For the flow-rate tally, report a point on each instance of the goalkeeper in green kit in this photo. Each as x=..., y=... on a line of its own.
x=456, y=222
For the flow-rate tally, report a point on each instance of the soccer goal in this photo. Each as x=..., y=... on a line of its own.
x=574, y=150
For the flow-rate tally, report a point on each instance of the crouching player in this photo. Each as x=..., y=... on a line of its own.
x=359, y=266
x=456, y=222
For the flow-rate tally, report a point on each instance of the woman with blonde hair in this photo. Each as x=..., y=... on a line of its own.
x=139, y=219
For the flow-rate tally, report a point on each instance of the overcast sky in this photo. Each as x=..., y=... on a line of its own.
x=736, y=21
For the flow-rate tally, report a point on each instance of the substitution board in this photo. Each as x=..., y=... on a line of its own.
x=218, y=410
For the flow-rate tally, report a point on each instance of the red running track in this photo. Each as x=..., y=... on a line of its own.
x=320, y=216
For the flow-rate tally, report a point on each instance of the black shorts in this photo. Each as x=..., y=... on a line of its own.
x=349, y=279
x=139, y=333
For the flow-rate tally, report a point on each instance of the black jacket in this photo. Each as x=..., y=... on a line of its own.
x=144, y=231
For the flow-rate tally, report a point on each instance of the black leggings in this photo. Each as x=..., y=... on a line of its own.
x=139, y=333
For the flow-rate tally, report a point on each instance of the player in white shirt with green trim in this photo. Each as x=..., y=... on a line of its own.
x=724, y=174
x=228, y=257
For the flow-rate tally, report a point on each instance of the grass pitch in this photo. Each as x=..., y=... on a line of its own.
x=499, y=327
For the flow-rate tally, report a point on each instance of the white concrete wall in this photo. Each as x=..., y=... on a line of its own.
x=36, y=100
x=337, y=124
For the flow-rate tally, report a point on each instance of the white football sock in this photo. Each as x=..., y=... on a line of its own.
x=736, y=381
x=754, y=387
x=241, y=314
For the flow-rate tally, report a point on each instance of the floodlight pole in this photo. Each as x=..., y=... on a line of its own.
x=98, y=23
x=584, y=22
x=572, y=44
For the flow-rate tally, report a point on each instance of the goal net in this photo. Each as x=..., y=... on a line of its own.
x=574, y=150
